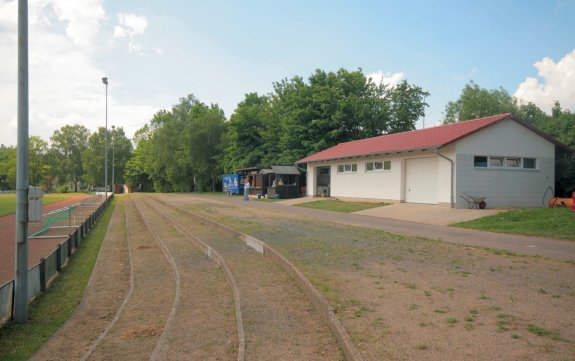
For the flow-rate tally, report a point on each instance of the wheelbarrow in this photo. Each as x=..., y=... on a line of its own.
x=473, y=201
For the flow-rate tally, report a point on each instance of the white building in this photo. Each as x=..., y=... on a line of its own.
x=502, y=158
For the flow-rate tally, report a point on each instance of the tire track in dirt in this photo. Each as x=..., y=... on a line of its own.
x=279, y=321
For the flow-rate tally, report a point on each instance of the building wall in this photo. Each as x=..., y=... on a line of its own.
x=362, y=184
x=505, y=187
x=502, y=187
x=385, y=185
x=310, y=180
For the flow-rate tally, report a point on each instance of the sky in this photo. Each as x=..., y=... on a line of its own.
x=155, y=52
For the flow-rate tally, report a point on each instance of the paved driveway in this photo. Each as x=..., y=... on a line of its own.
x=427, y=213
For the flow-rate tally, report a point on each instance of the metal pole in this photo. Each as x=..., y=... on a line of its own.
x=105, y=81
x=21, y=284
x=113, y=163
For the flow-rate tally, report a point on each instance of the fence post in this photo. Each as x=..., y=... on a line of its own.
x=59, y=258
x=76, y=243
x=69, y=241
x=43, y=274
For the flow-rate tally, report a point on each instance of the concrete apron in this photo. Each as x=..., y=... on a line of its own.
x=428, y=213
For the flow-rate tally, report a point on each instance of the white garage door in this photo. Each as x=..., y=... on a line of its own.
x=421, y=180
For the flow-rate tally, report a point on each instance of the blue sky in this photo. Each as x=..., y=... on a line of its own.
x=156, y=52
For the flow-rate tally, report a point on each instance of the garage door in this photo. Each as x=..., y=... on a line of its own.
x=421, y=180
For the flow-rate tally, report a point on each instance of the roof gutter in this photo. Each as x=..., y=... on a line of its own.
x=452, y=174
x=371, y=154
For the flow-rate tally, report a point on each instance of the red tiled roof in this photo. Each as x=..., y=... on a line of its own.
x=415, y=139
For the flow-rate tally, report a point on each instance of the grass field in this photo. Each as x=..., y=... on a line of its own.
x=546, y=222
x=48, y=312
x=340, y=206
x=8, y=201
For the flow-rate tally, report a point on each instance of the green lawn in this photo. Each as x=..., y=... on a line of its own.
x=48, y=312
x=546, y=222
x=8, y=201
x=340, y=206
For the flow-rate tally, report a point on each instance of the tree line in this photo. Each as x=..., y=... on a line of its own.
x=73, y=159
x=188, y=147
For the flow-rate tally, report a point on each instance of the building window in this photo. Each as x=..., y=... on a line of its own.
x=512, y=162
x=496, y=161
x=480, y=161
x=347, y=168
x=378, y=166
x=529, y=163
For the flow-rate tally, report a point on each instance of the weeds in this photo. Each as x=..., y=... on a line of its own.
x=540, y=331
x=452, y=321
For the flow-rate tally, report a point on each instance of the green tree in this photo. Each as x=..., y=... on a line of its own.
x=407, y=106
x=7, y=167
x=93, y=158
x=246, y=134
x=67, y=146
x=561, y=125
x=204, y=143
x=476, y=102
x=37, y=151
x=138, y=169
x=338, y=107
x=121, y=150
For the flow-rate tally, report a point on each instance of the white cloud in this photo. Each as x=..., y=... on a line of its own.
x=129, y=26
x=64, y=76
x=557, y=83
x=159, y=51
x=82, y=20
x=391, y=79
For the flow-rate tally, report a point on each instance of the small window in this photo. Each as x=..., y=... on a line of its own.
x=479, y=161
x=378, y=166
x=347, y=168
x=529, y=163
x=496, y=161
x=512, y=162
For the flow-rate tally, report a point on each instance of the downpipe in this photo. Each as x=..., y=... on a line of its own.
x=452, y=174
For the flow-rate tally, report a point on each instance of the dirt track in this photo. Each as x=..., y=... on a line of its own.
x=410, y=298
x=399, y=298
x=170, y=301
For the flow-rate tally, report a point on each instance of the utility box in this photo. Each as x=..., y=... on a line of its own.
x=35, y=204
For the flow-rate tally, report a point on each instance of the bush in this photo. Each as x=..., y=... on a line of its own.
x=63, y=189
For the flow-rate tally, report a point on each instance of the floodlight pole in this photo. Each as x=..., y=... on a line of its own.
x=113, y=165
x=21, y=280
x=105, y=81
